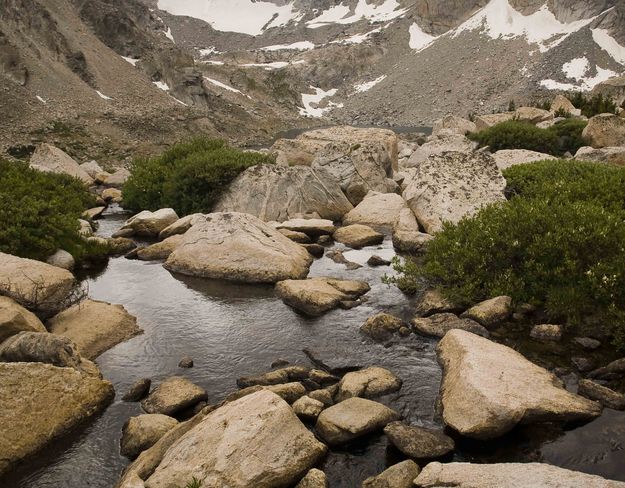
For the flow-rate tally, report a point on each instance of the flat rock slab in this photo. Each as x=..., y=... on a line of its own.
x=368, y=383
x=254, y=441
x=353, y=418
x=95, y=326
x=15, y=319
x=488, y=389
x=161, y=250
x=173, y=395
x=316, y=296
x=419, y=442
x=310, y=227
x=357, y=236
x=453, y=185
x=506, y=158
x=439, y=324
x=40, y=287
x=238, y=247
x=39, y=402
x=508, y=475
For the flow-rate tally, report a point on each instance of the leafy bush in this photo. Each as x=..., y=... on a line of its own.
x=558, y=243
x=591, y=106
x=39, y=212
x=189, y=177
x=564, y=136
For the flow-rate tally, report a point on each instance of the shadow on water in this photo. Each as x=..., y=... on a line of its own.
x=233, y=330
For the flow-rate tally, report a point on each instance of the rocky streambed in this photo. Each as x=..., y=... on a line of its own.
x=235, y=330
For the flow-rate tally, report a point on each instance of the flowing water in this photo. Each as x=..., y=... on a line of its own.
x=232, y=330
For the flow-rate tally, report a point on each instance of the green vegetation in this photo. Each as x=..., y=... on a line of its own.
x=558, y=243
x=189, y=177
x=39, y=213
x=194, y=483
x=591, y=106
x=564, y=136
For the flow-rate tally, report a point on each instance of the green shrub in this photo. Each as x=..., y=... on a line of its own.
x=39, y=212
x=189, y=177
x=564, y=136
x=559, y=243
x=591, y=106
x=194, y=483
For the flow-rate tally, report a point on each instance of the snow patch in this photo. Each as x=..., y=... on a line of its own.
x=603, y=38
x=357, y=38
x=576, y=68
x=225, y=87
x=499, y=19
x=208, y=51
x=132, y=61
x=243, y=16
x=217, y=63
x=311, y=102
x=103, y=96
x=363, y=87
x=267, y=66
x=419, y=40
x=169, y=35
x=162, y=85
x=296, y=46
x=340, y=14
x=41, y=99
x=584, y=83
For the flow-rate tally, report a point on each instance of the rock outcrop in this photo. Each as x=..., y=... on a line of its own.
x=445, y=141
x=94, y=326
x=605, y=130
x=451, y=186
x=39, y=402
x=506, y=158
x=510, y=475
x=40, y=287
x=238, y=247
x=254, y=441
x=488, y=389
x=51, y=159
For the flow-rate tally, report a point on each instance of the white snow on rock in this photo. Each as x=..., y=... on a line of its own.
x=363, y=87
x=41, y=99
x=216, y=63
x=341, y=14
x=499, y=19
x=243, y=16
x=603, y=38
x=162, y=85
x=103, y=96
x=221, y=85
x=576, y=69
x=419, y=40
x=267, y=66
x=169, y=35
x=296, y=46
x=311, y=102
x=132, y=61
x=208, y=51
x=357, y=38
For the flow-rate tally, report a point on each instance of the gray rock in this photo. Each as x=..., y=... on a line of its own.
x=142, y=432
x=148, y=224
x=186, y=362
x=506, y=158
x=547, y=332
x=289, y=392
x=368, y=383
x=376, y=260
x=583, y=365
x=445, y=141
x=607, y=397
x=357, y=236
x=15, y=319
x=378, y=211
x=138, y=390
x=419, y=442
x=48, y=158
x=313, y=479
x=62, y=259
x=587, y=343
x=432, y=302
x=605, y=130
x=615, y=369
x=276, y=377
x=382, y=326
x=439, y=324
x=353, y=418
x=173, y=395
x=308, y=408
x=310, y=227
x=490, y=312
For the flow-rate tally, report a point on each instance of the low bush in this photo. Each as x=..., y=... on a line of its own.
x=564, y=136
x=592, y=105
x=559, y=243
x=39, y=212
x=189, y=177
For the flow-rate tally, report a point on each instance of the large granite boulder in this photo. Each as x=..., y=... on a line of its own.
x=180, y=226
x=39, y=402
x=406, y=234
x=506, y=158
x=238, y=247
x=310, y=227
x=278, y=193
x=94, y=326
x=614, y=155
x=148, y=224
x=160, y=251
x=254, y=441
x=173, y=395
x=561, y=103
x=378, y=210
x=51, y=159
x=316, y=296
x=451, y=186
x=142, y=432
x=353, y=418
x=488, y=120
x=532, y=115
x=445, y=141
x=40, y=287
x=453, y=123
x=613, y=88
x=508, y=475
x=367, y=383
x=357, y=236
x=490, y=312
x=605, y=130
x=15, y=319
x=488, y=389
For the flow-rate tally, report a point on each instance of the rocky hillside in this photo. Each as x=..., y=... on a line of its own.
x=110, y=78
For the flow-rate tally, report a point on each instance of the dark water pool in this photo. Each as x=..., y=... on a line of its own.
x=232, y=330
